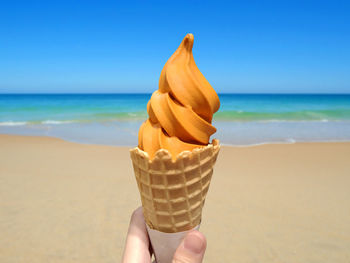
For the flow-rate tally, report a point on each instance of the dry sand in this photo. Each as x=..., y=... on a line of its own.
x=68, y=202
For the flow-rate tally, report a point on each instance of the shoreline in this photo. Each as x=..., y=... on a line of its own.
x=229, y=133
x=70, y=202
x=222, y=144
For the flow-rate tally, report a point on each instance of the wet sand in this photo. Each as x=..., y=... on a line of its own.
x=69, y=202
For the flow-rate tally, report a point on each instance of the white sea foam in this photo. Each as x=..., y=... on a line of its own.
x=55, y=122
x=288, y=141
x=13, y=123
x=289, y=121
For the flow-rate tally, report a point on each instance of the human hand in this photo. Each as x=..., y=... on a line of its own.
x=137, y=247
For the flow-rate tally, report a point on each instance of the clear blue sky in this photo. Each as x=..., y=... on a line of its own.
x=112, y=46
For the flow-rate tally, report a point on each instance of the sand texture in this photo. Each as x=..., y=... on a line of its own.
x=68, y=202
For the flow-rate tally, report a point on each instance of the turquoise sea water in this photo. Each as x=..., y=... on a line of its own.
x=115, y=118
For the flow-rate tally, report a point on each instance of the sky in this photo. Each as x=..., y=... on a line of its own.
x=122, y=46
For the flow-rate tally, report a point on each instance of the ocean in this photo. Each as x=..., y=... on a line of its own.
x=114, y=119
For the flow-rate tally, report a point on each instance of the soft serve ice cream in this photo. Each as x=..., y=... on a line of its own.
x=181, y=110
x=174, y=161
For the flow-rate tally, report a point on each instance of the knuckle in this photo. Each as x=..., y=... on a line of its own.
x=178, y=259
x=136, y=213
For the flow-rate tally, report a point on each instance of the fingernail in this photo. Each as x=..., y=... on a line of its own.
x=193, y=243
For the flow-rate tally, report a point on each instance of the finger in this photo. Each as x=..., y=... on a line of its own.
x=191, y=249
x=137, y=242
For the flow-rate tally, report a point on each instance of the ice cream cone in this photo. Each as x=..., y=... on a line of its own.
x=173, y=192
x=172, y=166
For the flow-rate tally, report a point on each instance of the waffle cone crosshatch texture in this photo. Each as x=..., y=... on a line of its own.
x=173, y=192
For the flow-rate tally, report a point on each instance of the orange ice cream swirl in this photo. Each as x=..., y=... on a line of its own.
x=181, y=110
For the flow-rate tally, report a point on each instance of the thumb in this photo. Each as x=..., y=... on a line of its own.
x=191, y=249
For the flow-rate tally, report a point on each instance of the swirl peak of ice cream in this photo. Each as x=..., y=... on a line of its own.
x=181, y=110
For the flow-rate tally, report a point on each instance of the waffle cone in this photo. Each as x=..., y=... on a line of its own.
x=173, y=192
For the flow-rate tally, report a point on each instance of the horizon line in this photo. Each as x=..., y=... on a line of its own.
x=148, y=93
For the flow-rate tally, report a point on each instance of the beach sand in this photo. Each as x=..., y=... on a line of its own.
x=69, y=202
